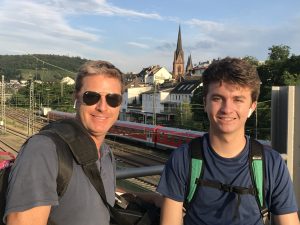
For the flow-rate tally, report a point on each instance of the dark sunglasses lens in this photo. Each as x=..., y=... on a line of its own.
x=90, y=97
x=113, y=100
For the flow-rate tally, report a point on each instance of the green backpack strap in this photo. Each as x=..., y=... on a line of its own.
x=257, y=171
x=196, y=168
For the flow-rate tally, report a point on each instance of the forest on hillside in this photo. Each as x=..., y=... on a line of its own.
x=40, y=67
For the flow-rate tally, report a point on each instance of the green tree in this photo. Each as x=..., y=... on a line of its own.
x=46, y=94
x=197, y=108
x=252, y=60
x=279, y=52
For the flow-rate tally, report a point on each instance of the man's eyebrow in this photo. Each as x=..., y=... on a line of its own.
x=240, y=96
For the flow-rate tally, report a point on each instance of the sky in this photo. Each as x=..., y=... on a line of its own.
x=134, y=34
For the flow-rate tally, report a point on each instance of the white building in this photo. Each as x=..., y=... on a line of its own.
x=67, y=81
x=155, y=74
x=153, y=101
x=182, y=93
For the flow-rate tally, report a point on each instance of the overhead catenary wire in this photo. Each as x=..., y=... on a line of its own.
x=50, y=64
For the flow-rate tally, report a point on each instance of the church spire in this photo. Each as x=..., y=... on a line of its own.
x=189, y=64
x=179, y=42
x=178, y=63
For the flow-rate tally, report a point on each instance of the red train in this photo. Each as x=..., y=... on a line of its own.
x=154, y=136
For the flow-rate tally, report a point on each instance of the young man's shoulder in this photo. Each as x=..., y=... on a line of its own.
x=271, y=154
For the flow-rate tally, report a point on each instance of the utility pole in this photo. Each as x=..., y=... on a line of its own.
x=61, y=89
x=3, y=119
x=154, y=104
x=31, y=109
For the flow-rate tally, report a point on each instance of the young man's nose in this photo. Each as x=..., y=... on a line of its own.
x=227, y=106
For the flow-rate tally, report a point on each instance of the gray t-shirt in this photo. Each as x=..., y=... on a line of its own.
x=32, y=183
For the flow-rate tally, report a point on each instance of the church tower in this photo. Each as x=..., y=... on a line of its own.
x=189, y=65
x=178, y=63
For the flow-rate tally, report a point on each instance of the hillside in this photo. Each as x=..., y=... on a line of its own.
x=41, y=67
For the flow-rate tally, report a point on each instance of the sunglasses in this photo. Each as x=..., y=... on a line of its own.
x=91, y=98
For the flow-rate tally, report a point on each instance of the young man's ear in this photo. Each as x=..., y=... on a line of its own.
x=252, y=108
x=250, y=112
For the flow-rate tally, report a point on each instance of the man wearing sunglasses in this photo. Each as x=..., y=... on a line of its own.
x=32, y=194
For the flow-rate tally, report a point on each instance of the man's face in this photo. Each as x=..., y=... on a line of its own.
x=99, y=117
x=227, y=106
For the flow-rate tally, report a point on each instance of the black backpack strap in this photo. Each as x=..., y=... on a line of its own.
x=77, y=138
x=92, y=172
x=65, y=164
x=258, y=177
x=65, y=161
x=196, y=168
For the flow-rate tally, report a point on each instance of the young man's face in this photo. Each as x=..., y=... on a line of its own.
x=228, y=106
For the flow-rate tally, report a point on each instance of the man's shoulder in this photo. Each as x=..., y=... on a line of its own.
x=39, y=146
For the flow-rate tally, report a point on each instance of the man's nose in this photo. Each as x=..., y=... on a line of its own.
x=102, y=104
x=227, y=106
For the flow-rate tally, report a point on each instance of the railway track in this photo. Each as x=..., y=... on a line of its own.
x=4, y=146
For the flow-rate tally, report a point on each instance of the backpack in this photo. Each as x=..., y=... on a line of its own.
x=64, y=169
x=257, y=172
x=70, y=137
x=6, y=161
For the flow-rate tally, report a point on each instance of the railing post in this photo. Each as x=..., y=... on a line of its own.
x=285, y=128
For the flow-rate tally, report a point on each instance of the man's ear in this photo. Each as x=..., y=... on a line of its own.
x=204, y=104
x=250, y=112
x=252, y=108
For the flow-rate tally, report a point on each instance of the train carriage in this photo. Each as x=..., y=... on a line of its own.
x=170, y=138
x=56, y=115
x=150, y=135
x=134, y=131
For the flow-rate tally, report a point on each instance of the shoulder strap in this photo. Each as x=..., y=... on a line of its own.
x=196, y=167
x=65, y=164
x=77, y=138
x=92, y=172
x=65, y=161
x=257, y=171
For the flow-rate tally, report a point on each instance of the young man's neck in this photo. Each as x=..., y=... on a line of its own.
x=227, y=146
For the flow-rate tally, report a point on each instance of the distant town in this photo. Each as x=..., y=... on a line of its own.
x=154, y=95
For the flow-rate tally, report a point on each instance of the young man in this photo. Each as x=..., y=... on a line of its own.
x=32, y=195
x=231, y=89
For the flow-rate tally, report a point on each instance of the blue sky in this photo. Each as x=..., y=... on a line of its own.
x=134, y=34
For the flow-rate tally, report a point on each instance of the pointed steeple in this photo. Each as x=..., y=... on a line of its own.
x=178, y=63
x=179, y=42
x=189, y=65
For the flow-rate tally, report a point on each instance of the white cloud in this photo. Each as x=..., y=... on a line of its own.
x=25, y=18
x=205, y=25
x=139, y=45
x=212, y=40
x=102, y=7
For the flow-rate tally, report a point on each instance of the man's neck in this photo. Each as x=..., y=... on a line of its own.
x=227, y=146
